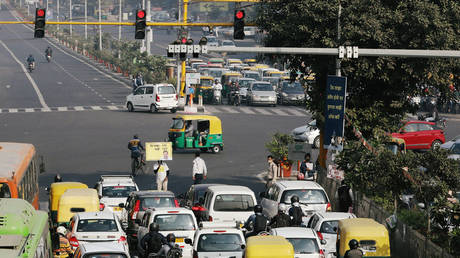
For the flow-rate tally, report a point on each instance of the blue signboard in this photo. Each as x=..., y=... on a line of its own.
x=334, y=111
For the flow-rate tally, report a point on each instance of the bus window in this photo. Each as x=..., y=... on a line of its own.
x=4, y=191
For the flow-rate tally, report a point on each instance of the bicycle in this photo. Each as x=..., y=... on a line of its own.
x=137, y=165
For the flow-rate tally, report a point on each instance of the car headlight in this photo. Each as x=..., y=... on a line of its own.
x=284, y=94
x=255, y=97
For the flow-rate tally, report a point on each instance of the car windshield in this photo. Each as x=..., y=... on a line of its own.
x=157, y=202
x=329, y=227
x=233, y=202
x=293, y=88
x=262, y=87
x=104, y=255
x=252, y=75
x=312, y=124
x=117, y=191
x=304, y=245
x=306, y=196
x=455, y=149
x=227, y=43
x=166, y=90
x=4, y=191
x=172, y=222
x=212, y=39
x=275, y=74
x=177, y=124
x=244, y=83
x=219, y=243
x=97, y=225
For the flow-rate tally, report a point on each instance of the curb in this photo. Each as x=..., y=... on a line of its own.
x=200, y=109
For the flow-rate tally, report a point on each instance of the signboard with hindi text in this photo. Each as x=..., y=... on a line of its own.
x=158, y=151
x=334, y=111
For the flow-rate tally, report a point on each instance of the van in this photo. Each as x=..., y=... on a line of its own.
x=153, y=98
x=76, y=200
x=229, y=203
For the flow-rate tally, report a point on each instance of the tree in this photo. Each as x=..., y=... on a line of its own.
x=378, y=86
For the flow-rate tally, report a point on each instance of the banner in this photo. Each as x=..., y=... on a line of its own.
x=334, y=112
x=158, y=151
x=334, y=173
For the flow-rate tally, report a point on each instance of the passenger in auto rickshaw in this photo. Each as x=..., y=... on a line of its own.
x=203, y=131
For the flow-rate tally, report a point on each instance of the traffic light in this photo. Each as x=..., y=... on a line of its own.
x=140, y=24
x=238, y=24
x=40, y=21
x=182, y=54
x=171, y=53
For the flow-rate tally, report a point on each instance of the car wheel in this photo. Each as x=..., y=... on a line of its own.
x=215, y=149
x=173, y=110
x=130, y=107
x=316, y=142
x=274, y=105
x=153, y=109
x=436, y=144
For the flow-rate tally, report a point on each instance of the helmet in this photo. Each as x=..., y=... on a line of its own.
x=171, y=238
x=258, y=208
x=136, y=136
x=294, y=199
x=282, y=207
x=353, y=244
x=154, y=227
x=57, y=178
x=61, y=230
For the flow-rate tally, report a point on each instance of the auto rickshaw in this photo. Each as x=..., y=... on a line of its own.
x=372, y=237
x=250, y=61
x=217, y=60
x=227, y=79
x=273, y=74
x=77, y=200
x=196, y=132
x=206, y=89
x=56, y=190
x=268, y=247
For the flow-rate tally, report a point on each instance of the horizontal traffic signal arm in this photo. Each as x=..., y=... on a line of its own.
x=166, y=24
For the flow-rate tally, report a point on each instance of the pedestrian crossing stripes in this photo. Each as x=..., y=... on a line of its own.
x=210, y=109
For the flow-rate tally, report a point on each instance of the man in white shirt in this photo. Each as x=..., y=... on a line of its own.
x=199, y=169
x=162, y=171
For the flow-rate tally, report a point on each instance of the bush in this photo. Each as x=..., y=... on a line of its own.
x=414, y=218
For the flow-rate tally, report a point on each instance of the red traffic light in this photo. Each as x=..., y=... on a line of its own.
x=239, y=14
x=40, y=12
x=183, y=40
x=140, y=14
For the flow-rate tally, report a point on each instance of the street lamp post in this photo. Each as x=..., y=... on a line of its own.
x=70, y=17
x=100, y=27
x=58, y=14
x=86, y=19
x=119, y=30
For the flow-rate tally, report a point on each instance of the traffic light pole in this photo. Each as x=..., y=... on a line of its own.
x=182, y=79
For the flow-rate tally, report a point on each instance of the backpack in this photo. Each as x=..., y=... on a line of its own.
x=297, y=215
x=154, y=244
x=260, y=223
x=282, y=220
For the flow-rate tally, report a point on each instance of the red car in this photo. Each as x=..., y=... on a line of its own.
x=421, y=135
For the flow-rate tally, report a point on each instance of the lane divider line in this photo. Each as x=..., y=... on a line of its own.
x=32, y=81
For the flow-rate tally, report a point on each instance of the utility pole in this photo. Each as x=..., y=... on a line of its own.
x=70, y=16
x=143, y=41
x=47, y=5
x=100, y=27
x=182, y=80
x=338, y=62
x=57, y=13
x=149, y=29
x=86, y=19
x=178, y=85
x=119, y=30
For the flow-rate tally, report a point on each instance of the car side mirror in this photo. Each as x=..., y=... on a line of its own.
x=42, y=165
x=188, y=241
x=47, y=189
x=121, y=205
x=243, y=246
x=323, y=242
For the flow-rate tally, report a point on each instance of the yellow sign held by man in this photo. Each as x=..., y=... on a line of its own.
x=158, y=151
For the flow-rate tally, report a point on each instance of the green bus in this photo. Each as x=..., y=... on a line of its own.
x=24, y=231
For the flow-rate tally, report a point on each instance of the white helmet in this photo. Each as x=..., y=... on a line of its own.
x=282, y=207
x=61, y=230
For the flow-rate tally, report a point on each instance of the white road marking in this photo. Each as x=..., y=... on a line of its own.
x=112, y=108
x=46, y=109
x=297, y=112
x=34, y=85
x=247, y=110
x=13, y=110
x=279, y=112
x=78, y=108
x=28, y=110
x=263, y=111
x=62, y=108
x=211, y=109
x=229, y=110
x=8, y=86
x=59, y=83
x=96, y=108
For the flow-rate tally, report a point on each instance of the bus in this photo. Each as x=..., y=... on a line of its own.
x=19, y=170
x=24, y=231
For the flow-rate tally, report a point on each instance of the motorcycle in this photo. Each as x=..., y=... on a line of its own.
x=234, y=98
x=441, y=121
x=31, y=67
x=48, y=58
x=217, y=97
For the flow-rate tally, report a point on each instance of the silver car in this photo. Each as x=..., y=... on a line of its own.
x=308, y=133
x=261, y=93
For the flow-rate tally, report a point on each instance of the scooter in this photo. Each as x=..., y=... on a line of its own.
x=217, y=97
x=235, y=98
x=31, y=67
x=48, y=58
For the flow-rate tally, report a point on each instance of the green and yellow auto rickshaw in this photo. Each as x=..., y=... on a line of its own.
x=196, y=132
x=205, y=89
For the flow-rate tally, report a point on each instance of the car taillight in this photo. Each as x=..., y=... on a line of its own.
x=328, y=208
x=122, y=239
x=101, y=206
x=198, y=208
x=136, y=209
x=210, y=218
x=320, y=235
x=321, y=253
x=177, y=97
x=73, y=241
x=176, y=203
x=158, y=98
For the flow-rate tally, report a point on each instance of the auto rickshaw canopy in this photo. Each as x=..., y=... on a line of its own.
x=268, y=246
x=86, y=200
x=215, y=125
x=57, y=189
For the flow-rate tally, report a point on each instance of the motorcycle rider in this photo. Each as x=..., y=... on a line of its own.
x=170, y=248
x=354, y=252
x=153, y=241
x=296, y=212
x=217, y=89
x=281, y=219
x=64, y=250
x=257, y=222
x=31, y=60
x=234, y=88
x=135, y=145
x=49, y=52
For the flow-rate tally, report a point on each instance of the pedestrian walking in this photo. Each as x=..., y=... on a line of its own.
x=199, y=169
x=272, y=171
x=161, y=170
x=345, y=196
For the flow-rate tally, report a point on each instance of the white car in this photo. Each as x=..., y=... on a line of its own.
x=100, y=226
x=305, y=241
x=308, y=133
x=449, y=144
x=312, y=197
x=104, y=249
x=153, y=98
x=218, y=240
x=228, y=43
x=113, y=190
x=212, y=41
x=229, y=203
x=325, y=224
x=179, y=221
x=454, y=151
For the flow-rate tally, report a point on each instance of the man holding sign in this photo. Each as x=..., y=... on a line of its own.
x=161, y=169
x=160, y=151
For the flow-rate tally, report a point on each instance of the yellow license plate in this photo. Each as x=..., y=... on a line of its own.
x=179, y=240
x=116, y=209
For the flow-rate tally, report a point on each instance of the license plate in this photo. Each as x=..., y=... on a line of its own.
x=116, y=209
x=179, y=240
x=264, y=97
